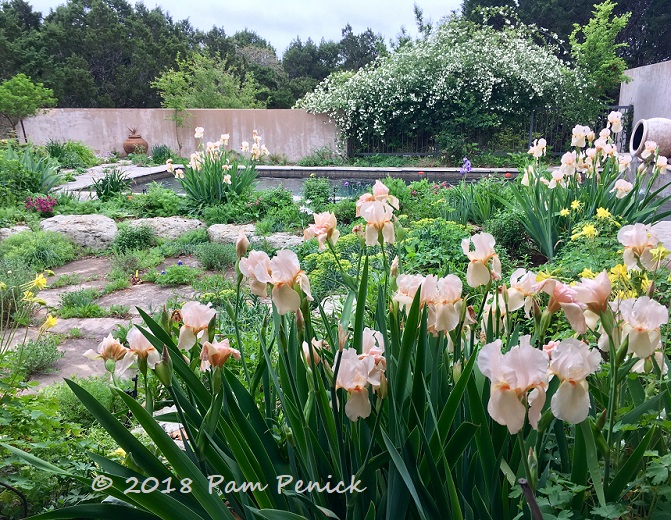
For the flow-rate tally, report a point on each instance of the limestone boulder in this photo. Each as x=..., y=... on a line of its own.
x=8, y=232
x=169, y=227
x=92, y=231
x=277, y=240
x=228, y=233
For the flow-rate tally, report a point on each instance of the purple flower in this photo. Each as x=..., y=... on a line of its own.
x=346, y=184
x=466, y=168
x=179, y=262
x=162, y=272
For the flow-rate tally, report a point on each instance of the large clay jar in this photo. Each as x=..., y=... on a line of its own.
x=135, y=143
x=657, y=129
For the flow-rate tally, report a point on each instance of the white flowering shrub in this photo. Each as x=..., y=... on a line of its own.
x=476, y=76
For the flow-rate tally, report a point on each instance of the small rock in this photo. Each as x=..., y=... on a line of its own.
x=169, y=227
x=93, y=231
x=228, y=233
x=8, y=232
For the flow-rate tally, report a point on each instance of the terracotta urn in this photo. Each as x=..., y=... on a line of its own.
x=134, y=143
x=657, y=129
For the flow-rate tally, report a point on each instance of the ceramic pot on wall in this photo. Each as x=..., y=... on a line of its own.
x=657, y=129
x=134, y=143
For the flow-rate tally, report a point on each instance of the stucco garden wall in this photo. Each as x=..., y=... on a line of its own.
x=649, y=91
x=293, y=133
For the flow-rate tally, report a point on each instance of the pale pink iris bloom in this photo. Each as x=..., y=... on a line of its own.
x=110, y=351
x=518, y=377
x=640, y=366
x=523, y=288
x=563, y=297
x=650, y=149
x=594, y=292
x=286, y=274
x=615, y=121
x=199, y=132
x=324, y=229
x=621, y=188
x=380, y=193
x=643, y=318
x=378, y=217
x=580, y=134
x=479, y=271
x=195, y=317
x=311, y=352
x=662, y=164
x=638, y=240
x=140, y=348
x=568, y=163
x=353, y=375
x=572, y=362
x=538, y=148
x=216, y=354
x=256, y=268
x=373, y=347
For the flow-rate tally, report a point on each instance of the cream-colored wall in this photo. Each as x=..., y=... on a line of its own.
x=293, y=133
x=649, y=91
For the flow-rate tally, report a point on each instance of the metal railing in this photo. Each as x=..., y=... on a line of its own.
x=549, y=124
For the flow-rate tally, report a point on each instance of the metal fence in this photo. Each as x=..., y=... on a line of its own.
x=549, y=124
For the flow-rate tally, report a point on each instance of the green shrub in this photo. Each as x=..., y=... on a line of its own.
x=72, y=410
x=112, y=183
x=25, y=172
x=507, y=228
x=134, y=238
x=177, y=275
x=433, y=246
x=126, y=263
x=216, y=257
x=38, y=250
x=323, y=156
x=65, y=280
x=184, y=244
x=72, y=154
x=325, y=275
x=160, y=154
x=79, y=298
x=159, y=201
x=317, y=193
x=13, y=274
x=344, y=211
x=36, y=355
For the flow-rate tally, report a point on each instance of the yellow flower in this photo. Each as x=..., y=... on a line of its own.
x=645, y=283
x=40, y=281
x=564, y=213
x=576, y=205
x=3, y=286
x=119, y=452
x=589, y=231
x=659, y=253
x=602, y=213
x=49, y=272
x=587, y=273
x=28, y=296
x=620, y=271
x=625, y=295
x=543, y=275
x=49, y=322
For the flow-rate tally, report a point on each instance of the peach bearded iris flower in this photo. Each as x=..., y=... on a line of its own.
x=572, y=361
x=140, y=349
x=479, y=271
x=643, y=318
x=323, y=229
x=380, y=193
x=378, y=217
x=256, y=267
x=638, y=240
x=518, y=377
x=594, y=293
x=563, y=297
x=195, y=317
x=215, y=354
x=286, y=274
x=110, y=351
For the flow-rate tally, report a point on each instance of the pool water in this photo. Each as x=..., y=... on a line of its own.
x=341, y=188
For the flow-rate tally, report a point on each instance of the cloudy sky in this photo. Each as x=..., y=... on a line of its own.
x=280, y=22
